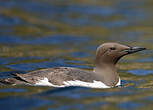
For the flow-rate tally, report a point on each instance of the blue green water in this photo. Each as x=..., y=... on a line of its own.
x=37, y=34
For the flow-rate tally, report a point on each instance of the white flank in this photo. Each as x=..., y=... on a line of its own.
x=95, y=84
x=44, y=82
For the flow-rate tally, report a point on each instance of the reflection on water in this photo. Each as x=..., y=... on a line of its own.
x=49, y=33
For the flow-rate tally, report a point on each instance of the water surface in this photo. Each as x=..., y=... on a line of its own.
x=37, y=34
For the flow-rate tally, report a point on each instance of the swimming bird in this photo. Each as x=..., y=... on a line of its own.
x=104, y=74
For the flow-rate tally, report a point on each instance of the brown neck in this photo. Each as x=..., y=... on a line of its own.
x=107, y=73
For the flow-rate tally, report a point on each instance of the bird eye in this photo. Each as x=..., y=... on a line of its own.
x=112, y=48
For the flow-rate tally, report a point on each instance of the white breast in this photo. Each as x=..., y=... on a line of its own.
x=119, y=82
x=94, y=84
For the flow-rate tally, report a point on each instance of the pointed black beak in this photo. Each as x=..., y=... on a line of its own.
x=134, y=49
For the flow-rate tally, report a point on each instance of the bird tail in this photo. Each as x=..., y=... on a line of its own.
x=11, y=81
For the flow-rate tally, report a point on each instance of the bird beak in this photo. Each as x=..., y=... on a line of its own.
x=134, y=49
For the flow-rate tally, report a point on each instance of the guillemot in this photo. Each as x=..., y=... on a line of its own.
x=104, y=74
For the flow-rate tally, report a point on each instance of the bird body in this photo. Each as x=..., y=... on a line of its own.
x=103, y=76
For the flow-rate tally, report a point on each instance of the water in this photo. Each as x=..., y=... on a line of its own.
x=37, y=34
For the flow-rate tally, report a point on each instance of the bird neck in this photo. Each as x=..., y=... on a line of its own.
x=107, y=74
